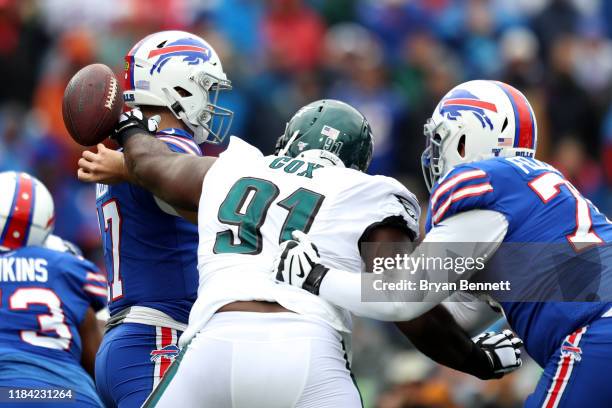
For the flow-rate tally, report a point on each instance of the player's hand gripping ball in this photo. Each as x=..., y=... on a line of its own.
x=93, y=101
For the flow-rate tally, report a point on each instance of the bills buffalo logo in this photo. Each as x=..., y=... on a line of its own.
x=569, y=350
x=170, y=352
x=463, y=101
x=192, y=51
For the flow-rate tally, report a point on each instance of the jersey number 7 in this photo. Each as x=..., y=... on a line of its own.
x=547, y=186
x=246, y=206
x=112, y=226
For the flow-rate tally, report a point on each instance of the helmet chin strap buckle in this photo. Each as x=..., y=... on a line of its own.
x=177, y=108
x=200, y=134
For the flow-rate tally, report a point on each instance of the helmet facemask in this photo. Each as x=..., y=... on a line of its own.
x=210, y=124
x=440, y=140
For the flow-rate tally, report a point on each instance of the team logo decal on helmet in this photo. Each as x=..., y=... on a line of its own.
x=461, y=100
x=192, y=51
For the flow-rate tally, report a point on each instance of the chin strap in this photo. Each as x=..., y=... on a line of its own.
x=283, y=151
x=322, y=157
x=177, y=109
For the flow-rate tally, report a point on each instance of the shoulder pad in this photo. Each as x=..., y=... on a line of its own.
x=464, y=188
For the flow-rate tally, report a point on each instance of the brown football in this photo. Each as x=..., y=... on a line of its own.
x=93, y=101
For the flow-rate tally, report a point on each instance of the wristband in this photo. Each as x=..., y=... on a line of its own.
x=124, y=135
x=479, y=364
x=313, y=282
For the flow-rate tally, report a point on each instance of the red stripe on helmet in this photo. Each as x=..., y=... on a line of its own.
x=525, y=130
x=20, y=217
x=128, y=79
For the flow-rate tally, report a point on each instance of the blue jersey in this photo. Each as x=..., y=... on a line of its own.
x=541, y=206
x=45, y=295
x=150, y=255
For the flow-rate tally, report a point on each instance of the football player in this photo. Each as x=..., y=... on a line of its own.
x=150, y=252
x=48, y=299
x=254, y=343
x=487, y=186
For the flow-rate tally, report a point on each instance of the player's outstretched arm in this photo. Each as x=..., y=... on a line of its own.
x=435, y=332
x=437, y=335
x=175, y=178
x=298, y=264
x=343, y=288
x=431, y=328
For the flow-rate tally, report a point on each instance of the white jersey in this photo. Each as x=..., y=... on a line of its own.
x=251, y=202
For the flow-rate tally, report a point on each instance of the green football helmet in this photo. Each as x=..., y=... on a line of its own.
x=333, y=129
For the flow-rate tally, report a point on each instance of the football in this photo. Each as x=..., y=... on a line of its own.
x=93, y=101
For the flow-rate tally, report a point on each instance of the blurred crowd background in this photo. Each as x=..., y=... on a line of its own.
x=392, y=59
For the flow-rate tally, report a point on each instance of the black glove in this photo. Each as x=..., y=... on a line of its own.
x=134, y=122
x=502, y=349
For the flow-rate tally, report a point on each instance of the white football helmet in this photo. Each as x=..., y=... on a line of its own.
x=482, y=119
x=27, y=213
x=181, y=71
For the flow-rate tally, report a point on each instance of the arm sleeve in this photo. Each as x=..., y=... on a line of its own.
x=343, y=288
x=91, y=281
x=470, y=313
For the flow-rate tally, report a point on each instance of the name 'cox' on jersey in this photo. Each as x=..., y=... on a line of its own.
x=540, y=206
x=150, y=254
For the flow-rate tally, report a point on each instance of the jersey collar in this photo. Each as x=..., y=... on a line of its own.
x=175, y=132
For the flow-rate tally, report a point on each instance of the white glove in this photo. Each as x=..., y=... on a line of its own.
x=298, y=263
x=503, y=350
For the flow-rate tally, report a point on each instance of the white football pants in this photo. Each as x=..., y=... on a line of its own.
x=260, y=360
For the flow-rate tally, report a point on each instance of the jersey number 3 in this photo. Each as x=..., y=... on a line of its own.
x=52, y=323
x=246, y=207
